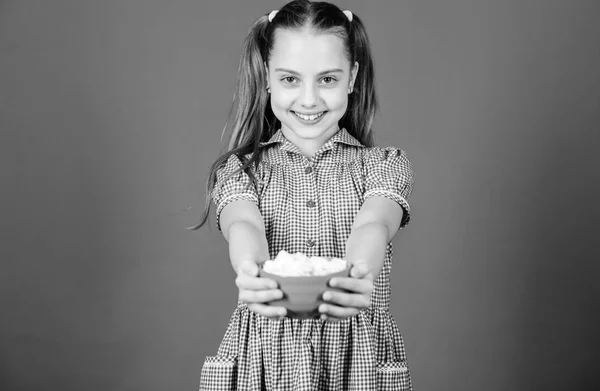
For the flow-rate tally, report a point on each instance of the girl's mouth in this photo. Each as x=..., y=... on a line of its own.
x=309, y=117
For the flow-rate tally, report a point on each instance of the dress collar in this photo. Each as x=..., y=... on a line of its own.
x=341, y=136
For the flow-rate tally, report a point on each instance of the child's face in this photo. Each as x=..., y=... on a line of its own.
x=309, y=76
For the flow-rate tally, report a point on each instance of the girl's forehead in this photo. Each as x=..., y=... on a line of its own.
x=305, y=50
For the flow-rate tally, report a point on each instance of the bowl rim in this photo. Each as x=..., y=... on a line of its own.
x=344, y=272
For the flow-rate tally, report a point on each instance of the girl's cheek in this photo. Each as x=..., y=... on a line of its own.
x=285, y=96
x=335, y=102
x=335, y=94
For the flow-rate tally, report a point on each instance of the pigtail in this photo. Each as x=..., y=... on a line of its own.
x=362, y=102
x=252, y=114
x=251, y=97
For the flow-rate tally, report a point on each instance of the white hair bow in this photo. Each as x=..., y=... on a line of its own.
x=272, y=15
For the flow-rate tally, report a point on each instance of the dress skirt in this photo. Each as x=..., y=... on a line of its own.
x=364, y=352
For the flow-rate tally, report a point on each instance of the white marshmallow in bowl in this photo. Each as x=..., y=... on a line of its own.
x=299, y=264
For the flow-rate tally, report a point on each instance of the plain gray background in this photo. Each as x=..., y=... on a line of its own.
x=111, y=113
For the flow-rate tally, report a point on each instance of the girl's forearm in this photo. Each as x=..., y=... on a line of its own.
x=367, y=244
x=246, y=243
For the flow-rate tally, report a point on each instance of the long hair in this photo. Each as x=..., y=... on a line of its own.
x=254, y=121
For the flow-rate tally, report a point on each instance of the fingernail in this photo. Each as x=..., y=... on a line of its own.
x=323, y=317
x=326, y=296
x=333, y=282
x=322, y=308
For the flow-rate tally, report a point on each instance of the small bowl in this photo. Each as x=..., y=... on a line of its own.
x=302, y=295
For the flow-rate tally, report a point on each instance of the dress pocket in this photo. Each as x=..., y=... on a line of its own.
x=393, y=376
x=219, y=373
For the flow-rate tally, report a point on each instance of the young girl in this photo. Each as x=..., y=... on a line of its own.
x=301, y=174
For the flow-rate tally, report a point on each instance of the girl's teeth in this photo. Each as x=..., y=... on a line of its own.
x=309, y=117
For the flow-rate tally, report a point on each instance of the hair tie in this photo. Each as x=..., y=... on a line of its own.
x=348, y=15
x=272, y=15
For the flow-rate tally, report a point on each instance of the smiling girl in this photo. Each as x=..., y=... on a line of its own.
x=302, y=174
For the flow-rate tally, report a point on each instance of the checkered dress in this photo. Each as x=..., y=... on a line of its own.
x=308, y=205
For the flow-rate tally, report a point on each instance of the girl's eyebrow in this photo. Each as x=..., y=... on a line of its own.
x=335, y=70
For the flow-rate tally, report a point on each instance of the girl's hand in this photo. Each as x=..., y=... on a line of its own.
x=255, y=291
x=344, y=305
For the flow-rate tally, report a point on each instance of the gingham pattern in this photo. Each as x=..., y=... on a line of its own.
x=308, y=205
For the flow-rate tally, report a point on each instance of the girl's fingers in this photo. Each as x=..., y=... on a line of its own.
x=361, y=286
x=243, y=281
x=267, y=310
x=360, y=270
x=263, y=296
x=347, y=299
x=334, y=313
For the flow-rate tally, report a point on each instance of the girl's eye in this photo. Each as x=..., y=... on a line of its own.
x=328, y=80
x=289, y=79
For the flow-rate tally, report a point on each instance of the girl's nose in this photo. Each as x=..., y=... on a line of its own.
x=310, y=95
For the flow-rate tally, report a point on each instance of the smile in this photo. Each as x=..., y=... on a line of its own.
x=309, y=117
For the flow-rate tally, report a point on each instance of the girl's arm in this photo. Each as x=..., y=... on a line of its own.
x=243, y=227
x=374, y=227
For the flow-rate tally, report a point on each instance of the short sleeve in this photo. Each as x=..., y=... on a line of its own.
x=232, y=184
x=389, y=174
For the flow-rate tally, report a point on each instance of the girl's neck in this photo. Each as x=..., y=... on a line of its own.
x=309, y=150
x=308, y=146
